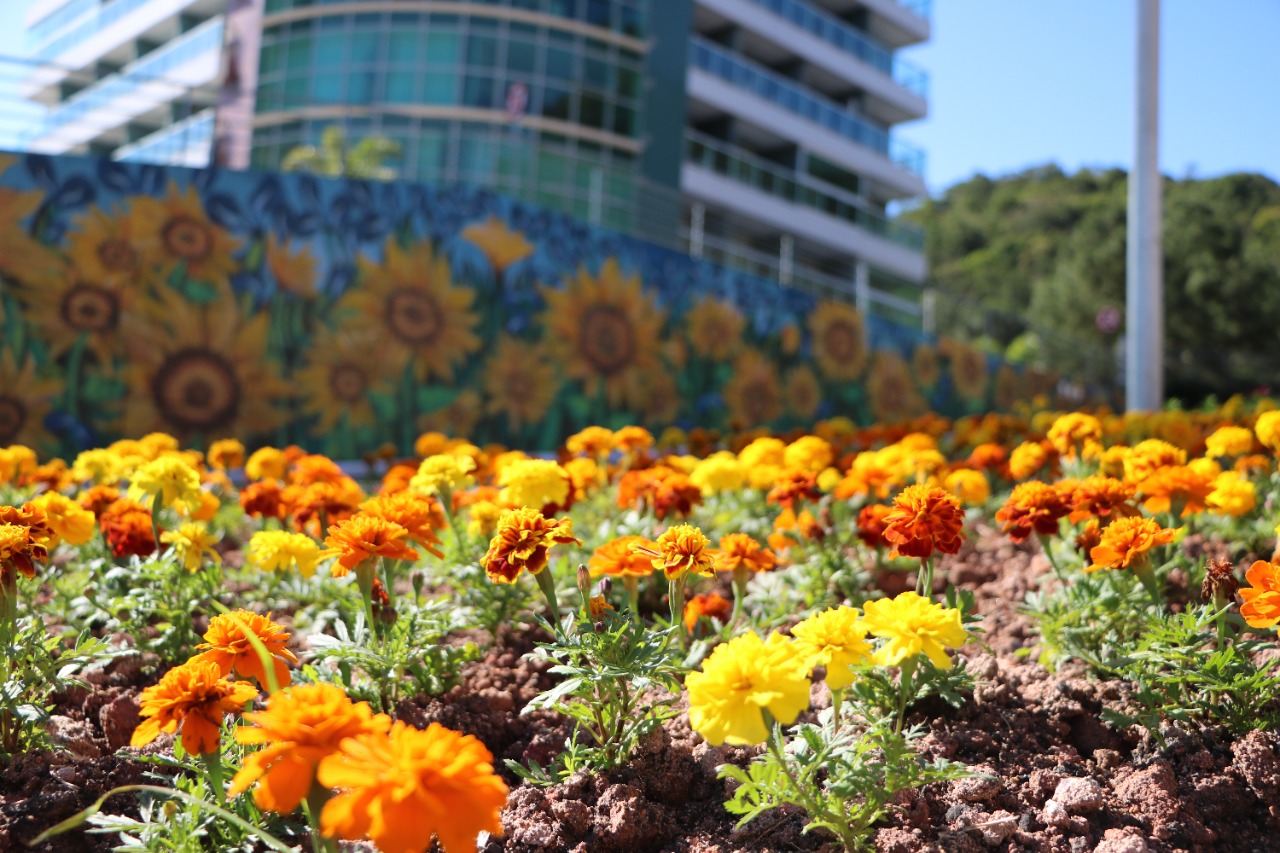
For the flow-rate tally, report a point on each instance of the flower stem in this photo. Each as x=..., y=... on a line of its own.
x=547, y=584
x=740, y=578
x=676, y=590
x=924, y=580
x=316, y=798
x=212, y=762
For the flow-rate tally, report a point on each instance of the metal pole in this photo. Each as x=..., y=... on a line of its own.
x=1144, y=292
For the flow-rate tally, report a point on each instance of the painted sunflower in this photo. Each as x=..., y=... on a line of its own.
x=66, y=304
x=803, y=393
x=200, y=370
x=109, y=247
x=663, y=402
x=604, y=331
x=342, y=374
x=839, y=341
x=24, y=401
x=753, y=394
x=519, y=382
x=893, y=395
x=502, y=246
x=19, y=253
x=459, y=418
x=179, y=232
x=924, y=364
x=1009, y=387
x=294, y=272
x=968, y=371
x=410, y=304
x=715, y=328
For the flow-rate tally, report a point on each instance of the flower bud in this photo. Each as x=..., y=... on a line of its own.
x=606, y=586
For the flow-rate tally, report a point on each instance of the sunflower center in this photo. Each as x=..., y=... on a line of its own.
x=842, y=341
x=188, y=238
x=347, y=383
x=608, y=341
x=13, y=414
x=760, y=401
x=414, y=317
x=88, y=308
x=117, y=255
x=196, y=390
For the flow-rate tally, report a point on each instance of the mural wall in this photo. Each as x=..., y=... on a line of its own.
x=342, y=315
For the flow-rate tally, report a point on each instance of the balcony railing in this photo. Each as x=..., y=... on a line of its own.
x=850, y=40
x=921, y=8
x=794, y=98
x=151, y=68
x=172, y=145
x=760, y=174
x=107, y=15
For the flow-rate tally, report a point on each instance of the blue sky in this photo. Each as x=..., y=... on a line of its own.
x=1017, y=83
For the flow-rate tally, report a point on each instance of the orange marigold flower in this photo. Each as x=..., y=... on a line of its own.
x=1126, y=542
x=711, y=605
x=871, y=525
x=1142, y=460
x=740, y=551
x=789, y=527
x=682, y=550
x=1028, y=458
x=633, y=439
x=1089, y=537
x=126, y=525
x=1100, y=496
x=401, y=789
x=792, y=486
x=1261, y=608
x=361, y=537
x=925, y=518
x=192, y=697
x=228, y=646
x=523, y=541
x=1076, y=433
x=299, y=727
x=1179, y=489
x=619, y=558
x=989, y=457
x=597, y=606
x=1033, y=506
x=594, y=441
x=415, y=513
x=664, y=489
x=262, y=499
x=315, y=468
x=98, y=498
x=325, y=501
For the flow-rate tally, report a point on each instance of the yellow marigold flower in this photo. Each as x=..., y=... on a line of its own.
x=227, y=453
x=1205, y=467
x=1261, y=608
x=16, y=460
x=99, y=466
x=1145, y=457
x=266, y=463
x=444, y=472
x=70, y=522
x=836, y=639
x=718, y=473
x=765, y=451
x=156, y=444
x=682, y=550
x=523, y=541
x=632, y=439
x=191, y=542
x=874, y=472
x=585, y=474
x=482, y=518
x=1267, y=429
x=740, y=551
x=1228, y=441
x=828, y=479
x=970, y=486
x=171, y=479
x=741, y=679
x=1126, y=542
x=1111, y=463
x=1076, y=434
x=534, y=483
x=593, y=441
x=1232, y=495
x=430, y=443
x=192, y=697
x=415, y=513
x=913, y=626
x=227, y=645
x=299, y=727
x=282, y=551
x=362, y=537
x=809, y=454
x=626, y=556
x=401, y=789
x=1026, y=459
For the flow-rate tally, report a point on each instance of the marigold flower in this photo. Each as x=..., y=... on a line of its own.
x=871, y=525
x=537, y=483
x=597, y=606
x=741, y=551
x=126, y=525
x=1027, y=458
x=283, y=551
x=523, y=541
x=711, y=605
x=442, y=473
x=97, y=498
x=415, y=513
x=98, y=466
x=226, y=453
x=836, y=639
x=789, y=528
x=988, y=457
x=362, y=537
x=171, y=479
x=1144, y=458
x=226, y=644
x=16, y=461
x=874, y=472
x=266, y=463
x=191, y=542
x=1089, y=537
x=192, y=697
x=633, y=439
x=299, y=727
x=1267, y=428
x=1178, y=489
x=1126, y=542
x=924, y=519
x=682, y=550
x=263, y=499
x=1232, y=495
x=664, y=489
x=401, y=789
x=913, y=625
x=482, y=518
x=1220, y=585
x=739, y=680
x=1099, y=496
x=970, y=486
x=321, y=502
x=719, y=473
x=70, y=522
x=1032, y=506
x=1261, y=608
x=793, y=486
x=1076, y=434
x=1228, y=441
x=24, y=539
x=809, y=454
x=623, y=557
x=593, y=441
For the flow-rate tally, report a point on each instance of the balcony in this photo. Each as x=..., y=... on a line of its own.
x=156, y=79
x=795, y=99
x=187, y=143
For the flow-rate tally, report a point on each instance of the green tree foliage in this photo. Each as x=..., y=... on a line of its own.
x=1025, y=262
x=333, y=158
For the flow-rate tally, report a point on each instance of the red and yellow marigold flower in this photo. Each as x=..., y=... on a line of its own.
x=871, y=525
x=682, y=550
x=24, y=539
x=363, y=537
x=1126, y=543
x=227, y=645
x=1033, y=506
x=263, y=499
x=1261, y=608
x=126, y=525
x=793, y=486
x=1076, y=434
x=523, y=542
x=1101, y=497
x=192, y=699
x=925, y=518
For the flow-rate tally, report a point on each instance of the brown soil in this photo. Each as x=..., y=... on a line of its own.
x=1055, y=777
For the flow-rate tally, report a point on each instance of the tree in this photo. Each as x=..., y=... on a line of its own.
x=366, y=160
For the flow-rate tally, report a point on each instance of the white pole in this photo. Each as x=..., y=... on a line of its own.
x=1144, y=292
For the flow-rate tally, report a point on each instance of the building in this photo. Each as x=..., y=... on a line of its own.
x=128, y=79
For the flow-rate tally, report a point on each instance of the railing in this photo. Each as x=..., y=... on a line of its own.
x=171, y=144
x=151, y=68
x=758, y=173
x=795, y=98
x=920, y=8
x=57, y=20
x=108, y=14
x=850, y=40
